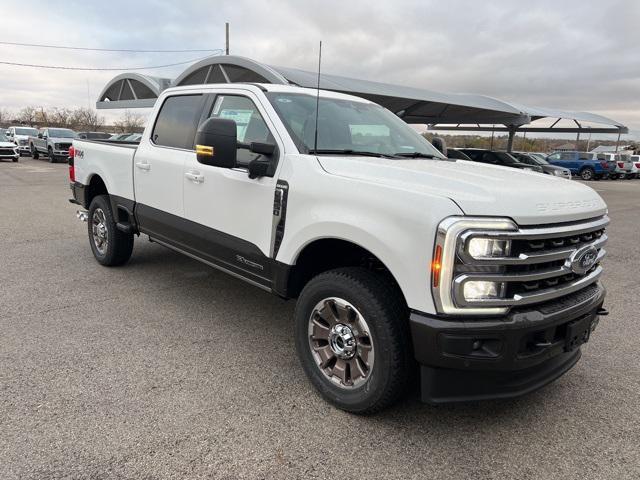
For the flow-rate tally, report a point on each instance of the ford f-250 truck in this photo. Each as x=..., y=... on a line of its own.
x=484, y=277
x=52, y=142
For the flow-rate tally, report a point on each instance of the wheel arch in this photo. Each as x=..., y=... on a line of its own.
x=95, y=186
x=327, y=253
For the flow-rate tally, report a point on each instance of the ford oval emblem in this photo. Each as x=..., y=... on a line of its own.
x=583, y=259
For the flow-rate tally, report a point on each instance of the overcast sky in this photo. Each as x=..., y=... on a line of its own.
x=573, y=55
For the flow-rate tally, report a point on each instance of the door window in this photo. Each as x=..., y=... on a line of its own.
x=250, y=125
x=177, y=121
x=566, y=156
x=555, y=157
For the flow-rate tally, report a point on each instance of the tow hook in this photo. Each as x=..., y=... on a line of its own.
x=603, y=312
x=82, y=215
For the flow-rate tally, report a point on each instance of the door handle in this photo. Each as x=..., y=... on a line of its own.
x=194, y=176
x=143, y=166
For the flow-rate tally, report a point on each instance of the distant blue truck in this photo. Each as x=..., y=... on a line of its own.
x=586, y=165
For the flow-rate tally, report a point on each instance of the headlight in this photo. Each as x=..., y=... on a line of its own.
x=482, y=290
x=471, y=237
x=488, y=247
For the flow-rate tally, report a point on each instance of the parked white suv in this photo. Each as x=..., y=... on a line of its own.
x=20, y=136
x=485, y=277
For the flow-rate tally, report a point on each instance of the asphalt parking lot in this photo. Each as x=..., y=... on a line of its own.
x=166, y=368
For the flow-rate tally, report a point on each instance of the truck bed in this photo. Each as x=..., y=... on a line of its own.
x=92, y=158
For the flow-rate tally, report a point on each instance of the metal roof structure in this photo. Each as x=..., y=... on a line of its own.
x=441, y=111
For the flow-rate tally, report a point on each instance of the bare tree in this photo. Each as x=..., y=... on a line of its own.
x=27, y=115
x=59, y=117
x=129, y=122
x=5, y=116
x=86, y=119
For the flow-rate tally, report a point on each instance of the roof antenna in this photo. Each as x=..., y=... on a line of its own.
x=315, y=142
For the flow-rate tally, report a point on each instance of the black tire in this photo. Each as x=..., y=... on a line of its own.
x=14, y=160
x=34, y=152
x=119, y=245
x=382, y=306
x=587, y=173
x=52, y=159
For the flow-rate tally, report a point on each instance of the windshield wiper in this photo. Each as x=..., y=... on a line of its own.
x=415, y=155
x=348, y=151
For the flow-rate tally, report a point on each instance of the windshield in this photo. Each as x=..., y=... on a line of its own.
x=506, y=158
x=540, y=158
x=346, y=126
x=27, y=131
x=3, y=137
x=61, y=133
x=535, y=159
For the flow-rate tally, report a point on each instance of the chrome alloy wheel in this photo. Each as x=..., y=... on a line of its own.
x=341, y=342
x=99, y=230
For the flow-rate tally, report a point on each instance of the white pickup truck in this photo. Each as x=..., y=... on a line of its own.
x=479, y=281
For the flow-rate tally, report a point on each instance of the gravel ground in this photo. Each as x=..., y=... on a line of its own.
x=166, y=368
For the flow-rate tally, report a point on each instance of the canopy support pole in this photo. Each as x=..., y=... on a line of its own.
x=617, y=143
x=512, y=134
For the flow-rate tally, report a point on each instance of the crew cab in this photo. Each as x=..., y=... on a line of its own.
x=586, y=165
x=485, y=278
x=52, y=142
x=20, y=136
x=497, y=158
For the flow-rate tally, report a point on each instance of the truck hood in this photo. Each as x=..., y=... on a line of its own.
x=529, y=198
x=7, y=145
x=60, y=139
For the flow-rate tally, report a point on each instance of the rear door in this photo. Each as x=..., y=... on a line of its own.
x=159, y=164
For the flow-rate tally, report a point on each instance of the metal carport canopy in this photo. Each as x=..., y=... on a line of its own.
x=415, y=105
x=441, y=111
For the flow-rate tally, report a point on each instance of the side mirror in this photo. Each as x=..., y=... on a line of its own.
x=39, y=135
x=217, y=143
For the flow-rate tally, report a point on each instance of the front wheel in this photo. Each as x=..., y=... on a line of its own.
x=587, y=174
x=109, y=245
x=352, y=338
x=50, y=154
x=34, y=152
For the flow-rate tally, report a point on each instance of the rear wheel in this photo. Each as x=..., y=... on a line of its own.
x=109, y=245
x=34, y=152
x=352, y=338
x=587, y=173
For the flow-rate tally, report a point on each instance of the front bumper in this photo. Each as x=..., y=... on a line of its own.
x=469, y=359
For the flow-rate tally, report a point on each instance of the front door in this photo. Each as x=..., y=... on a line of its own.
x=233, y=215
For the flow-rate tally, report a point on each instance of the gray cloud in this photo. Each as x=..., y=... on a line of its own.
x=571, y=55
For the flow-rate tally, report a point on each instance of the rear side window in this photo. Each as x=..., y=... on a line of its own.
x=567, y=156
x=177, y=122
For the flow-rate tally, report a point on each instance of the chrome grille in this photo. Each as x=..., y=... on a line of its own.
x=7, y=151
x=541, y=264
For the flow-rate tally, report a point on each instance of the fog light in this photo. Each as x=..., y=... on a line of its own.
x=482, y=290
x=488, y=247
